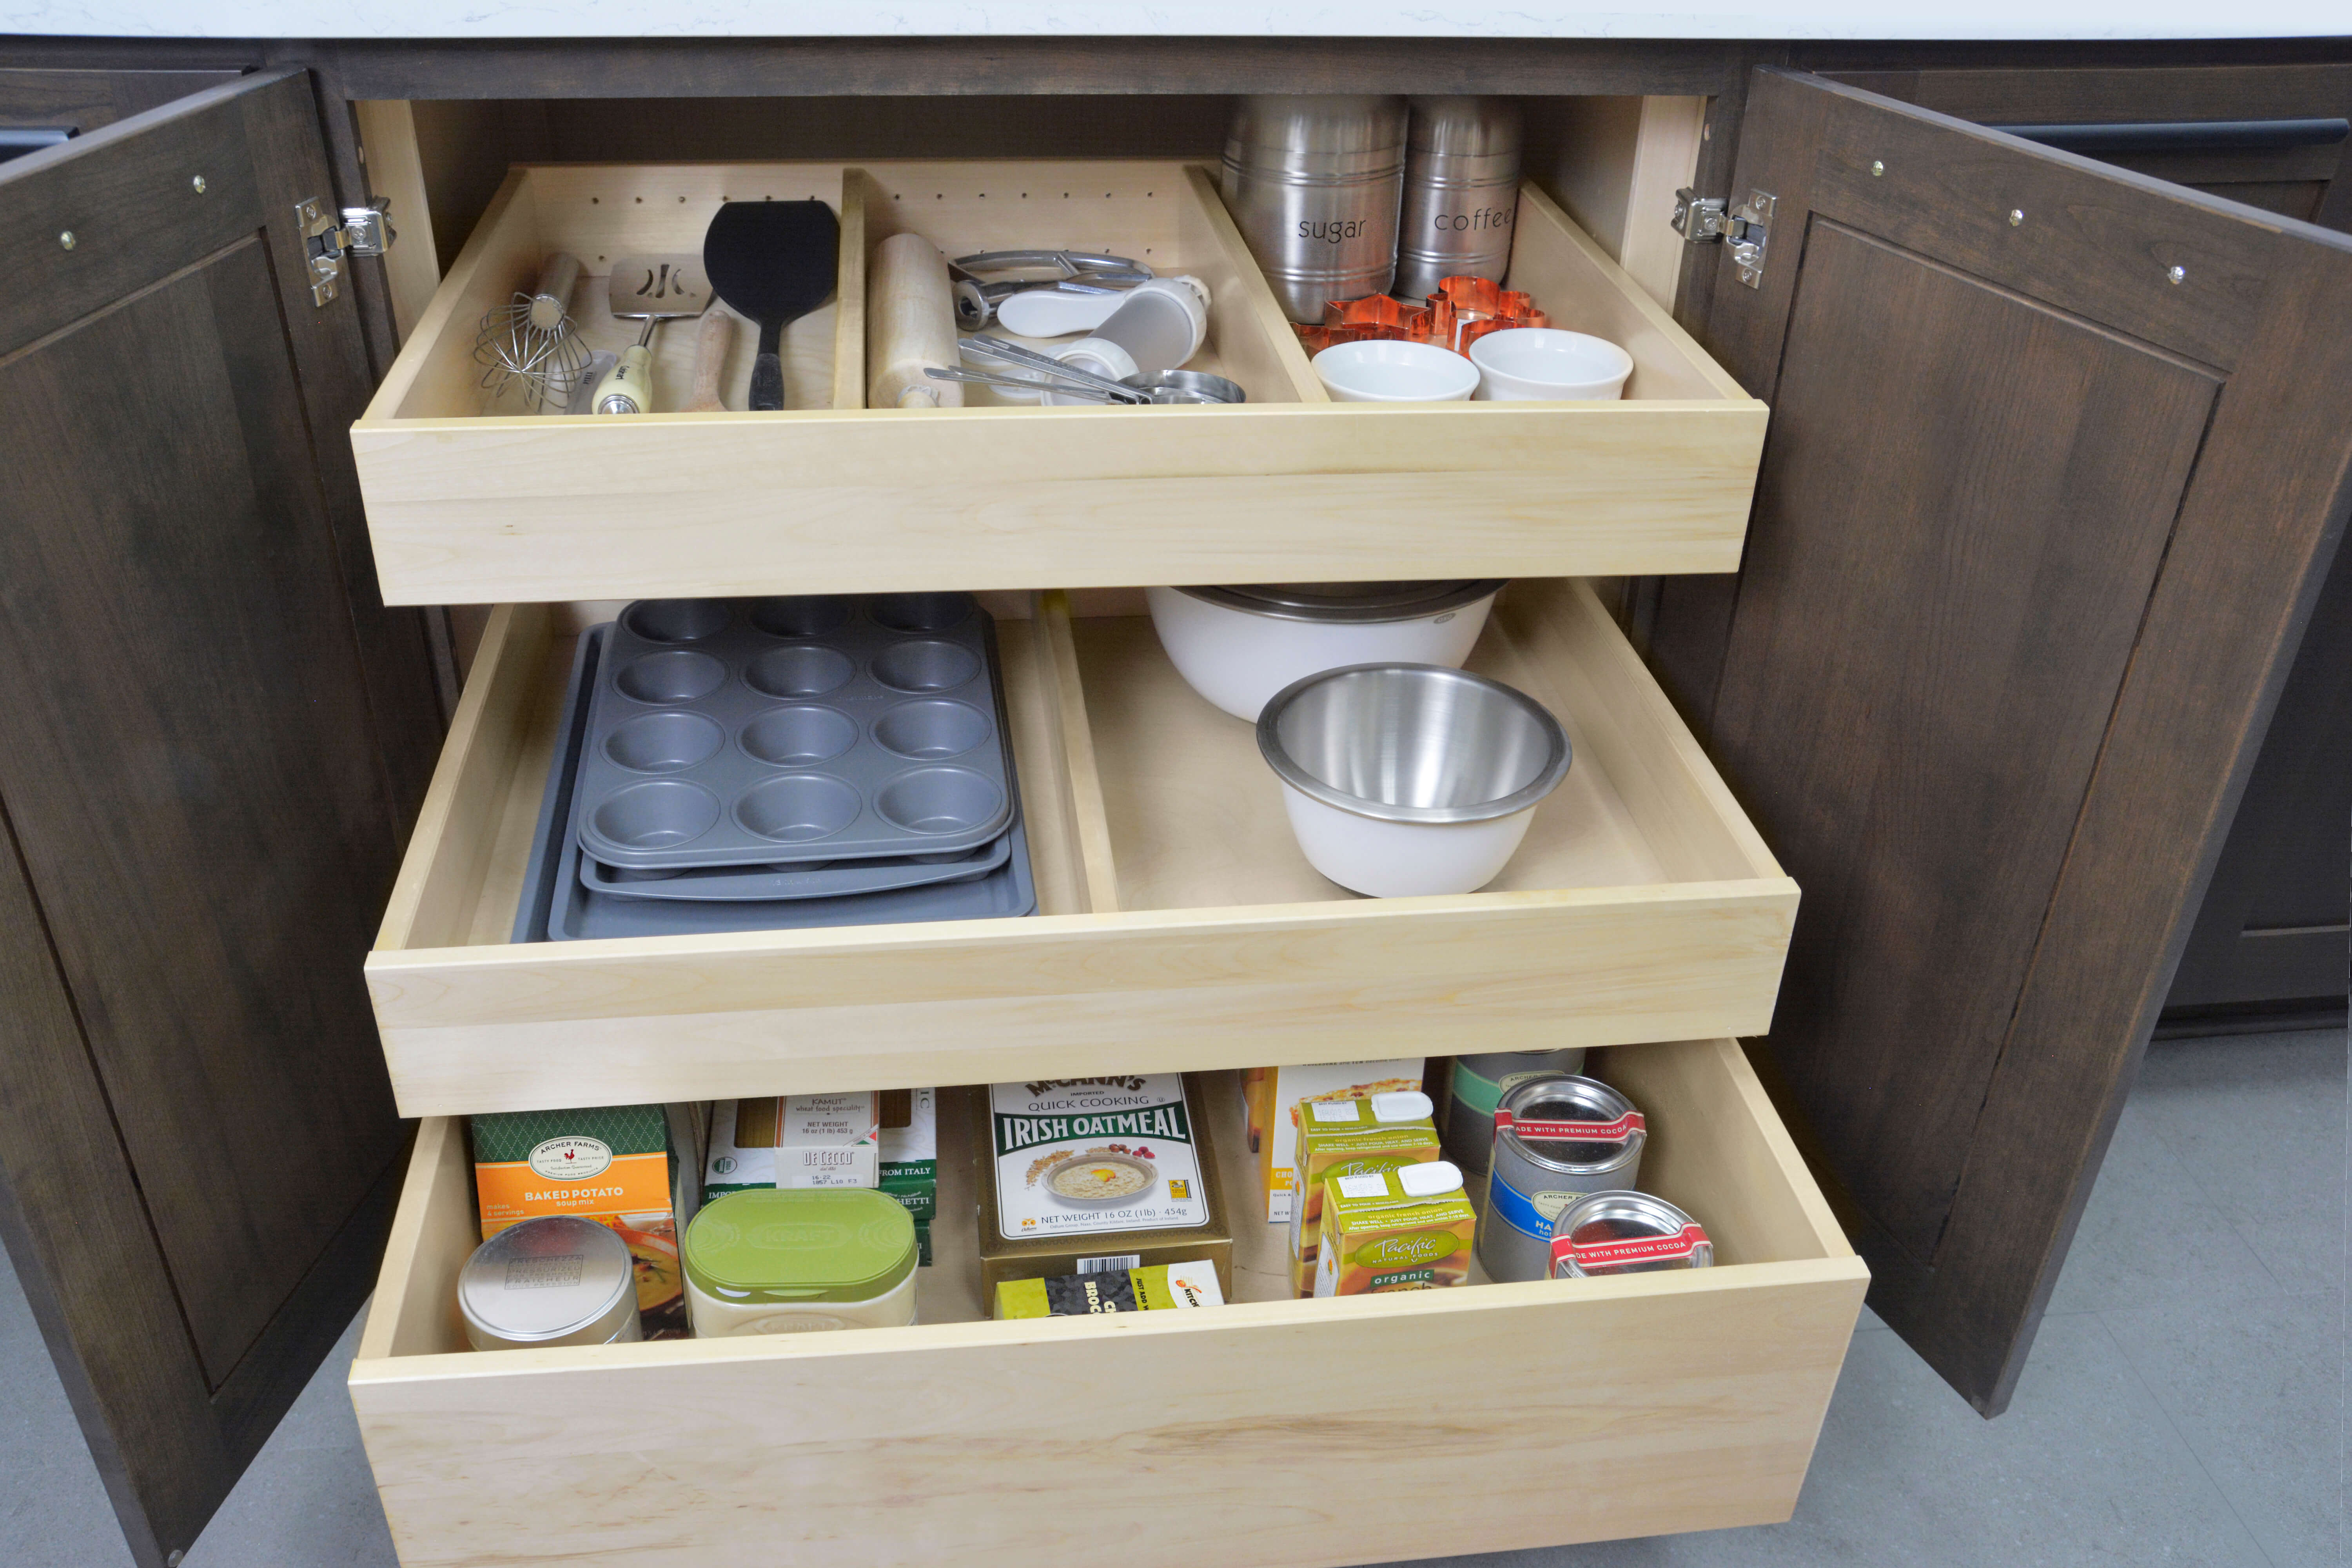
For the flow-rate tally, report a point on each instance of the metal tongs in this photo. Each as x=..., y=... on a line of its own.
x=1057, y=376
x=1071, y=272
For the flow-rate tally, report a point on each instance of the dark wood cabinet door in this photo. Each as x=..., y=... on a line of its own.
x=214, y=739
x=2272, y=940
x=2056, y=472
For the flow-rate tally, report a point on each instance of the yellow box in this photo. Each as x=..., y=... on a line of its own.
x=1275, y=1093
x=1407, y=1229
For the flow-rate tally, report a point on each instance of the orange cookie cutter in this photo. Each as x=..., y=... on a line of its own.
x=1463, y=311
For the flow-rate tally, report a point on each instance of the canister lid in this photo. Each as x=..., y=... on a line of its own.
x=1565, y=1121
x=1288, y=124
x=1353, y=602
x=1465, y=127
x=1626, y=1233
x=545, y=1278
x=826, y=1244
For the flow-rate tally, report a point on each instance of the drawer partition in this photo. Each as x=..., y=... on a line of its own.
x=1331, y=1432
x=1179, y=924
x=829, y=496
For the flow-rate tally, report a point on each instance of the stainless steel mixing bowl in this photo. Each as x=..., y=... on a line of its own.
x=1414, y=742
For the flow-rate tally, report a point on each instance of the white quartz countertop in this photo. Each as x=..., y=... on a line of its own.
x=1791, y=19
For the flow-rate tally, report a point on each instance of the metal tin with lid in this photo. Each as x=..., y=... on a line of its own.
x=1313, y=182
x=1461, y=192
x=1475, y=1086
x=1350, y=603
x=1626, y=1233
x=790, y=1260
x=556, y=1280
x=1558, y=1137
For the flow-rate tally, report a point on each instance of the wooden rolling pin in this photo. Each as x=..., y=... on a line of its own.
x=910, y=324
x=710, y=349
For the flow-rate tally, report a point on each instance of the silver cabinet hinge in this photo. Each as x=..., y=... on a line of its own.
x=328, y=238
x=1745, y=228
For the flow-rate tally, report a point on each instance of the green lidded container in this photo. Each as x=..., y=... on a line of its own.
x=788, y=1260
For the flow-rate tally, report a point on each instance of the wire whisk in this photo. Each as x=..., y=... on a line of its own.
x=531, y=345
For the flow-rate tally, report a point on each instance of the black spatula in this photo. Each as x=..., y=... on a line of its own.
x=772, y=262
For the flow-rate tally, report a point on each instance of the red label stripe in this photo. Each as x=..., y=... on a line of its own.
x=1636, y=1249
x=1615, y=1131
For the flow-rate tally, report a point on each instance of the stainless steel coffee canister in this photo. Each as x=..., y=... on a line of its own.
x=1313, y=182
x=1558, y=1138
x=1461, y=192
x=1477, y=1085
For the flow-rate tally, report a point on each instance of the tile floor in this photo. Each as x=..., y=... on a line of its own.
x=2184, y=1404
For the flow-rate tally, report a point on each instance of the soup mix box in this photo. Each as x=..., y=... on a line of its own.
x=614, y=1164
x=1096, y=1175
x=1273, y=1094
x=1406, y=1229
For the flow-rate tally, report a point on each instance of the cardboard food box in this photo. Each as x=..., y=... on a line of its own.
x=1406, y=1229
x=1087, y=1176
x=611, y=1164
x=795, y=1141
x=1274, y=1092
x=1154, y=1288
x=908, y=1168
x=1352, y=1138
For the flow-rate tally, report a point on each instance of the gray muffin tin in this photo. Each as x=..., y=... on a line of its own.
x=818, y=879
x=556, y=906
x=772, y=731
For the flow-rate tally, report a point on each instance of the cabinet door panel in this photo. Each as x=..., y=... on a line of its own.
x=206, y=764
x=2038, y=528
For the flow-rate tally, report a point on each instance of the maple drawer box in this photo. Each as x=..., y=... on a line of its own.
x=829, y=496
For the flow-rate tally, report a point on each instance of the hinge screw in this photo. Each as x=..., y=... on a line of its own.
x=1877, y=169
x=199, y=183
x=2178, y=275
x=2016, y=216
x=67, y=239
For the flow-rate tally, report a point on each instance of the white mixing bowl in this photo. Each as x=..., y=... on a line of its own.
x=1238, y=647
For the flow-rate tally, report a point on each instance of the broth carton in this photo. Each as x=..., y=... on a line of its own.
x=1406, y=1229
x=1351, y=1138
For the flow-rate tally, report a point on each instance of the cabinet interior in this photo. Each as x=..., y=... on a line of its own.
x=1581, y=150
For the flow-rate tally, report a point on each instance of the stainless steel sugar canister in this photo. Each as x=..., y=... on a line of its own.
x=1461, y=192
x=1558, y=1138
x=1313, y=183
x=556, y=1280
x=1476, y=1086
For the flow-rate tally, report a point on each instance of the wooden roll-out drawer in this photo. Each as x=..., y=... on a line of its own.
x=827, y=495
x=1270, y=1431
x=1178, y=926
